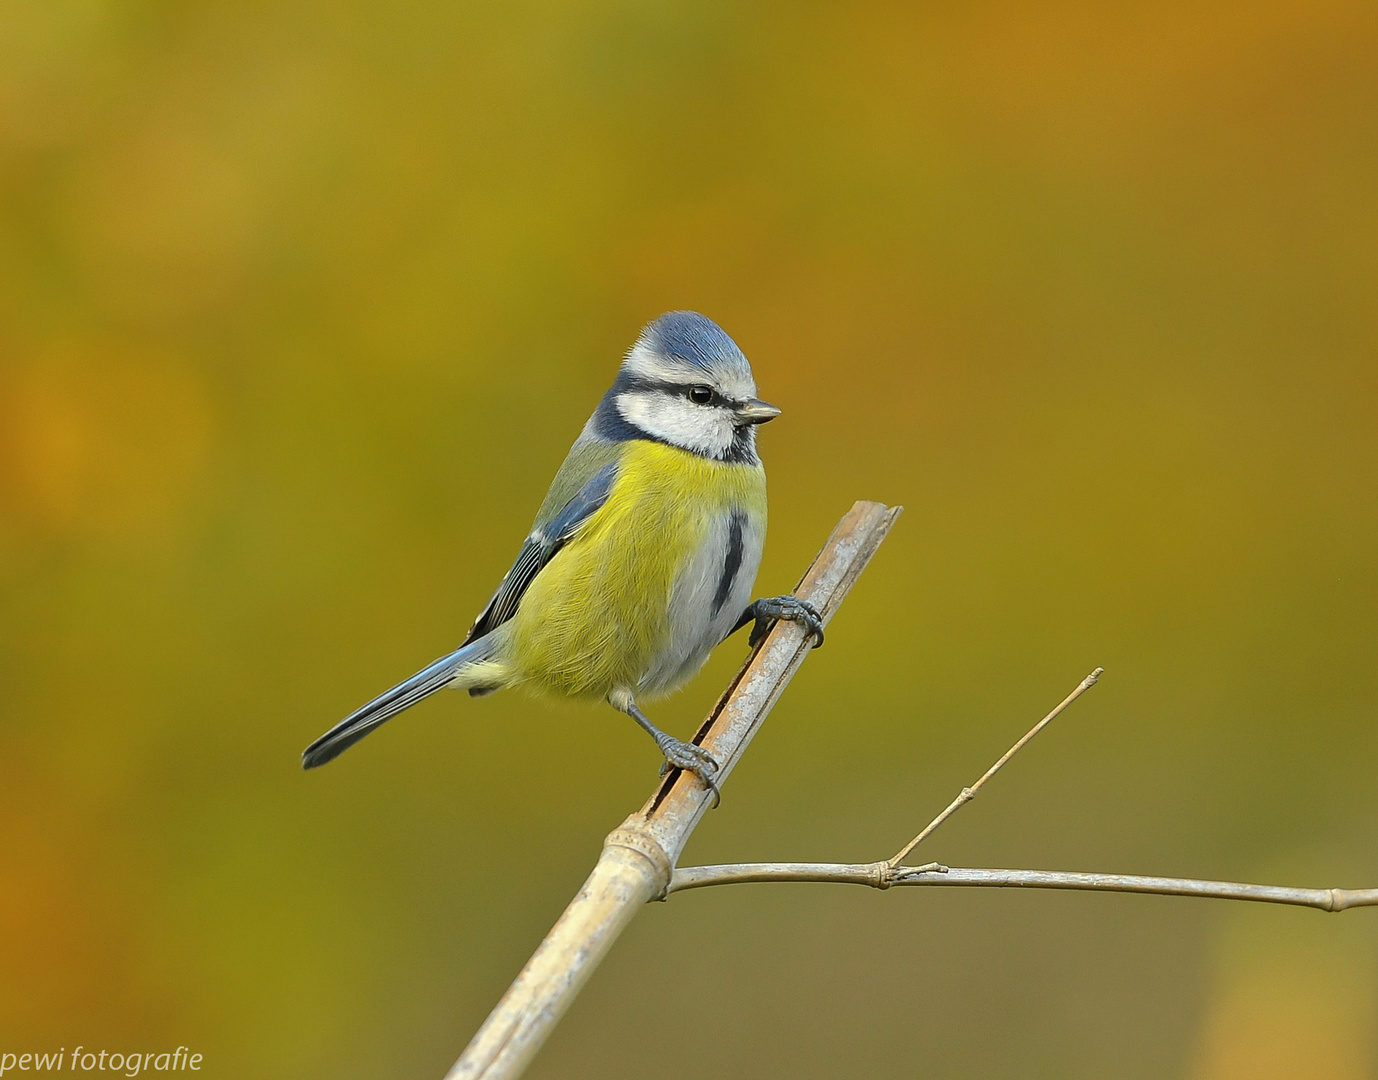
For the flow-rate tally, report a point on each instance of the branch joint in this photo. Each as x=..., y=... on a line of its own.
x=882, y=875
x=638, y=840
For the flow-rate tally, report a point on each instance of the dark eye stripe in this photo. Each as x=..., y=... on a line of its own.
x=630, y=383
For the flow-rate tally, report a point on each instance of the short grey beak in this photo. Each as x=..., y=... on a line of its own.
x=755, y=411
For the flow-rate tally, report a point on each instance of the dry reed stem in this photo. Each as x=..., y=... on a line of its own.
x=638, y=857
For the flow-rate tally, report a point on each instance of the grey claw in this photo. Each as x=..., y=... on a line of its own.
x=690, y=758
x=786, y=607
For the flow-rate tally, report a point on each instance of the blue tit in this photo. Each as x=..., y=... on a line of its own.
x=643, y=554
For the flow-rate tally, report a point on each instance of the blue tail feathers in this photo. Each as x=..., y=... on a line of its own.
x=385, y=706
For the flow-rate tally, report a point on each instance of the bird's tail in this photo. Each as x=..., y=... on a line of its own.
x=471, y=666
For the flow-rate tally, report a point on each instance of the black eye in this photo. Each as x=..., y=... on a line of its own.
x=700, y=395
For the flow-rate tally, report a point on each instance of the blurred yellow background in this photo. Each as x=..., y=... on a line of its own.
x=301, y=304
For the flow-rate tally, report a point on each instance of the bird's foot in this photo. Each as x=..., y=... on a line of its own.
x=690, y=758
x=768, y=609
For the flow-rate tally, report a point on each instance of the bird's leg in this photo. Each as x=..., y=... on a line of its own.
x=678, y=755
x=766, y=610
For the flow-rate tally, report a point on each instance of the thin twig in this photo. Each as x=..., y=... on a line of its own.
x=969, y=793
x=638, y=856
x=882, y=875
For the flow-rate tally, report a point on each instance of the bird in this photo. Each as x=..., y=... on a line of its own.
x=642, y=557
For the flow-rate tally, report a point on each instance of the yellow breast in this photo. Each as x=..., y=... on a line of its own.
x=598, y=614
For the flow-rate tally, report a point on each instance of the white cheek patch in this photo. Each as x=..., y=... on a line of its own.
x=678, y=421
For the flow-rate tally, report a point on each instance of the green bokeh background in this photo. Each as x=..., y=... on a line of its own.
x=301, y=304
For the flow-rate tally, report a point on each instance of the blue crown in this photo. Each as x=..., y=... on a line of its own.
x=693, y=339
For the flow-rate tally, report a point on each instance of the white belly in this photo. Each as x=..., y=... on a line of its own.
x=708, y=598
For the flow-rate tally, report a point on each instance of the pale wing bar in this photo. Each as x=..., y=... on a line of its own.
x=540, y=547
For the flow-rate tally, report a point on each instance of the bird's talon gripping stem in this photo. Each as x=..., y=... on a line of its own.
x=768, y=609
x=690, y=758
x=678, y=754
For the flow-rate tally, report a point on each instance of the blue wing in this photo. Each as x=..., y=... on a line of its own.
x=540, y=547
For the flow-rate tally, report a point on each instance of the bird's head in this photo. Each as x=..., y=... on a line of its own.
x=686, y=383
